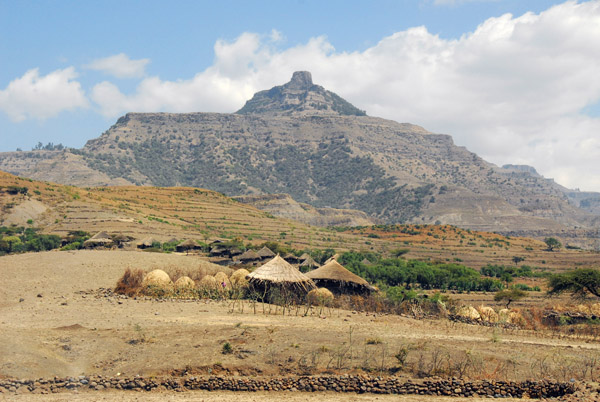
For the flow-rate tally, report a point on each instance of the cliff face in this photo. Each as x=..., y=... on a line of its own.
x=305, y=141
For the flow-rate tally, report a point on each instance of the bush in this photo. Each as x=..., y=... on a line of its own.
x=131, y=282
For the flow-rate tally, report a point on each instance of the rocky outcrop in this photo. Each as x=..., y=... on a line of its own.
x=297, y=97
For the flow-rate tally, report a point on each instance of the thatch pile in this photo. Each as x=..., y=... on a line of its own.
x=279, y=273
x=157, y=278
x=468, y=312
x=488, y=314
x=320, y=297
x=208, y=283
x=238, y=279
x=222, y=280
x=185, y=282
x=339, y=280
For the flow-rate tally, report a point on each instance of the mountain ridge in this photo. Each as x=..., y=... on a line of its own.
x=394, y=172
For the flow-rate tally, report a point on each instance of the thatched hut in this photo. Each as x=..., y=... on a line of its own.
x=187, y=245
x=147, y=243
x=249, y=256
x=101, y=239
x=308, y=263
x=339, y=280
x=291, y=258
x=278, y=273
x=265, y=253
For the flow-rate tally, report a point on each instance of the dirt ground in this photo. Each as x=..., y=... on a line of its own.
x=56, y=322
x=235, y=397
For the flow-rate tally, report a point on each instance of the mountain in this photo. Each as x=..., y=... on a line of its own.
x=299, y=97
x=302, y=140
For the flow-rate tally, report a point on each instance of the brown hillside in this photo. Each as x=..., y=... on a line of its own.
x=164, y=213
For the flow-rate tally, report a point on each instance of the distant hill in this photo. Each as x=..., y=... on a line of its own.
x=302, y=140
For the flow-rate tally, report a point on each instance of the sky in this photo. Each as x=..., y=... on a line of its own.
x=517, y=82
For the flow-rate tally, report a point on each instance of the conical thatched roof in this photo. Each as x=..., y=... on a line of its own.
x=146, y=242
x=309, y=262
x=333, y=258
x=101, y=239
x=304, y=256
x=188, y=245
x=265, y=252
x=366, y=262
x=249, y=255
x=279, y=271
x=101, y=236
x=291, y=258
x=333, y=271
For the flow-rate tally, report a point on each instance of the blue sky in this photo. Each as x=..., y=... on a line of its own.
x=516, y=88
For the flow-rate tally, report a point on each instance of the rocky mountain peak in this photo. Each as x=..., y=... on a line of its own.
x=300, y=80
x=299, y=97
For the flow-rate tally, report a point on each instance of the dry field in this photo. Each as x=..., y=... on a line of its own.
x=55, y=321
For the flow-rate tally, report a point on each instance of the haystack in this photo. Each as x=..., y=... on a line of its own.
x=222, y=278
x=208, y=282
x=278, y=272
x=265, y=253
x=320, y=297
x=185, y=282
x=468, y=312
x=238, y=278
x=338, y=279
x=101, y=239
x=158, y=278
x=488, y=314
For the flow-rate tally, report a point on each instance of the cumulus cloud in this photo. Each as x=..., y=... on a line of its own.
x=512, y=91
x=41, y=97
x=120, y=66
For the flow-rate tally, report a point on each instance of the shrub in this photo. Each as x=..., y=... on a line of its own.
x=131, y=282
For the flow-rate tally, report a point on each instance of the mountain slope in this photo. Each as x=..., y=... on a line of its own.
x=302, y=140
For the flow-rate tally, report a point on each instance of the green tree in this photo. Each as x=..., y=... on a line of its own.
x=517, y=259
x=10, y=243
x=579, y=283
x=552, y=243
x=509, y=295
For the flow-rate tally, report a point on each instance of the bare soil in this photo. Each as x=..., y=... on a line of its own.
x=56, y=321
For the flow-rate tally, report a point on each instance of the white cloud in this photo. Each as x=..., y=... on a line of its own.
x=41, y=97
x=512, y=90
x=120, y=66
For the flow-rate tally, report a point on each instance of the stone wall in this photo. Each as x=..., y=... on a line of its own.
x=343, y=383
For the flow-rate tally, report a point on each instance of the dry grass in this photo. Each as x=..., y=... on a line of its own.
x=131, y=282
